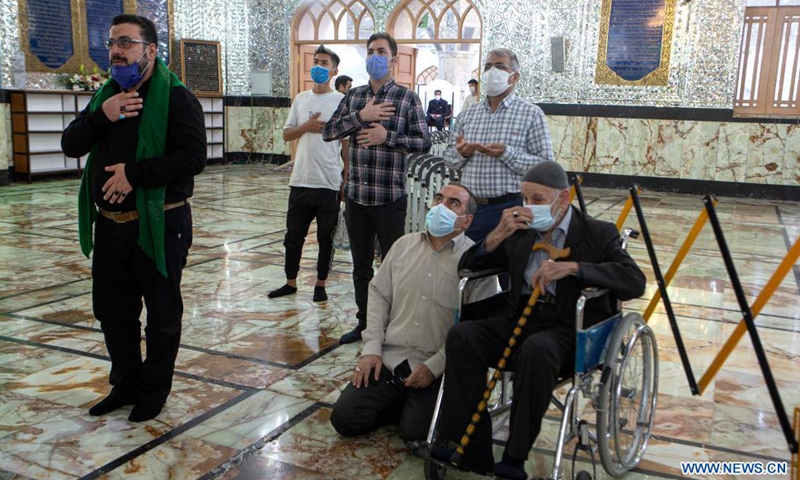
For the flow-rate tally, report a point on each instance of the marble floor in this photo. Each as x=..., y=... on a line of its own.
x=256, y=378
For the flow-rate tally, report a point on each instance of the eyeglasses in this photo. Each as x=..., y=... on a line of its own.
x=123, y=42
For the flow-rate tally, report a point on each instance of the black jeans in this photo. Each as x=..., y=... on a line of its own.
x=121, y=276
x=306, y=204
x=363, y=223
x=386, y=402
x=545, y=351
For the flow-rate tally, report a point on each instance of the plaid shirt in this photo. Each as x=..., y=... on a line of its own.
x=520, y=125
x=378, y=174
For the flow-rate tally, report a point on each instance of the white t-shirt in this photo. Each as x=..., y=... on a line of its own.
x=469, y=101
x=317, y=163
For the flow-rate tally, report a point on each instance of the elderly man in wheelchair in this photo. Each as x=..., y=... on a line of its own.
x=531, y=242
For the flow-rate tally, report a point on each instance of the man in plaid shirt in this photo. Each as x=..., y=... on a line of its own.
x=495, y=142
x=384, y=122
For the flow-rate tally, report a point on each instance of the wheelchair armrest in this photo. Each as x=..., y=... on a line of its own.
x=473, y=275
x=587, y=294
x=594, y=292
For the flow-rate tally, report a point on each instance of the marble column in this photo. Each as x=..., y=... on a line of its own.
x=6, y=148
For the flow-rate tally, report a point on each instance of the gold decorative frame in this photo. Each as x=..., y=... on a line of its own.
x=202, y=93
x=80, y=40
x=658, y=77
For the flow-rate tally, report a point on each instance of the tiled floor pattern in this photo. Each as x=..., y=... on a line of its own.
x=256, y=377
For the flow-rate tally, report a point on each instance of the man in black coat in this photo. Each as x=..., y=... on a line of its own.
x=546, y=349
x=438, y=111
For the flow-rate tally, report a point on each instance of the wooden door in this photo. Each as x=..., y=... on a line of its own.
x=406, y=70
x=306, y=54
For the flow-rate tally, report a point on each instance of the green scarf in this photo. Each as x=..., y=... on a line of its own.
x=152, y=142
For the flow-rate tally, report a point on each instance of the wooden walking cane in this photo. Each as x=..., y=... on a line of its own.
x=553, y=254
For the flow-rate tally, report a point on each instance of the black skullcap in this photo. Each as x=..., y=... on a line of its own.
x=549, y=174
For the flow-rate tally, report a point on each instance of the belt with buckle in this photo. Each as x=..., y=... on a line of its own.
x=495, y=200
x=547, y=297
x=125, y=217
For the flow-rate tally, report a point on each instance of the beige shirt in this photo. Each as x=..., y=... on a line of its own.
x=413, y=300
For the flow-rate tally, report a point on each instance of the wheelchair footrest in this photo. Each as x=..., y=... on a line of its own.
x=422, y=450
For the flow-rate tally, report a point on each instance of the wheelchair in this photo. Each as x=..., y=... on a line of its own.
x=622, y=351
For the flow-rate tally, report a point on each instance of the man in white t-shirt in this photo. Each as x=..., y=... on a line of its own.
x=316, y=181
x=472, y=98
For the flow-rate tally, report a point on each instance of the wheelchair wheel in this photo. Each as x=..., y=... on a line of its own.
x=627, y=397
x=434, y=471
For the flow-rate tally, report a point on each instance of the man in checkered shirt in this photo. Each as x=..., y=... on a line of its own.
x=384, y=122
x=496, y=141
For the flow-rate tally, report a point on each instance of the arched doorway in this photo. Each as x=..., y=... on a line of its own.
x=342, y=25
x=445, y=34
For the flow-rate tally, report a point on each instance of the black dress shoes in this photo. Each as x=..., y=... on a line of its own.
x=352, y=336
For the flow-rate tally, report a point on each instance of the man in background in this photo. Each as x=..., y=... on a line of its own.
x=343, y=84
x=438, y=111
x=473, y=94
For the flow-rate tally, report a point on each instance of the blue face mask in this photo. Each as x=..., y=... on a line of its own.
x=320, y=74
x=377, y=66
x=440, y=221
x=128, y=75
x=542, y=217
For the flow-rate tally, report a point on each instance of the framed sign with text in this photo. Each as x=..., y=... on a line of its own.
x=635, y=42
x=200, y=67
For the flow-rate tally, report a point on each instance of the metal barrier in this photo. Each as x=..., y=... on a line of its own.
x=748, y=313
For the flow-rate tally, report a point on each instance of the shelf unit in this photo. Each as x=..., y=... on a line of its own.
x=38, y=118
x=214, y=113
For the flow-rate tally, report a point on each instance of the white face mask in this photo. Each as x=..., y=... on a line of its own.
x=495, y=81
x=472, y=90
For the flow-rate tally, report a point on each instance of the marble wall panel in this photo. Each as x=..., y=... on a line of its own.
x=732, y=151
x=765, y=153
x=256, y=130
x=669, y=148
x=560, y=129
x=699, y=155
x=791, y=156
x=584, y=142
x=6, y=147
x=579, y=143
x=612, y=136
x=640, y=152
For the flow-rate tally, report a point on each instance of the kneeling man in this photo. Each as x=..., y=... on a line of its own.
x=412, y=304
x=546, y=348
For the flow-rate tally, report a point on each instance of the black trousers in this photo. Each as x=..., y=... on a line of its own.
x=437, y=122
x=363, y=223
x=306, y=204
x=545, y=351
x=121, y=277
x=386, y=402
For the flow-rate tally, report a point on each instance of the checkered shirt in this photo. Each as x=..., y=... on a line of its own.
x=378, y=174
